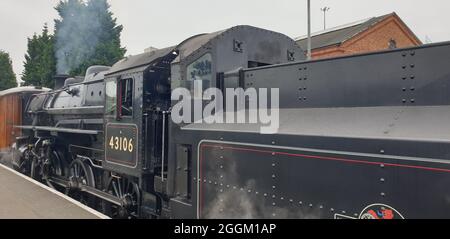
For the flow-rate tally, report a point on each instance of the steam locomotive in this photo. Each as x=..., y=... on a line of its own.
x=363, y=136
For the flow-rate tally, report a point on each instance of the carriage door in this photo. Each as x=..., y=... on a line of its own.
x=121, y=131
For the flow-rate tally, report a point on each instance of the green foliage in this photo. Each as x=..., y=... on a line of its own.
x=86, y=34
x=40, y=62
x=7, y=76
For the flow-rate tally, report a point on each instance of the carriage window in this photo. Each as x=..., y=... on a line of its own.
x=126, y=97
x=200, y=70
x=111, y=98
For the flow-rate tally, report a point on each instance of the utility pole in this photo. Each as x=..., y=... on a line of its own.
x=325, y=10
x=309, y=31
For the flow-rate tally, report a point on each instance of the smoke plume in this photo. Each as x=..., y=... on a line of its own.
x=78, y=33
x=6, y=157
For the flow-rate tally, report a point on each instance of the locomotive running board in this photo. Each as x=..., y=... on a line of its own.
x=59, y=130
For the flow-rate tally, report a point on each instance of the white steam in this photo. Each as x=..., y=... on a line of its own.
x=6, y=157
x=77, y=36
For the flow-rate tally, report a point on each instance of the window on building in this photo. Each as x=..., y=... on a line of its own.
x=392, y=44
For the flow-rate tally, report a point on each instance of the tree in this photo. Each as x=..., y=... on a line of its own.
x=40, y=62
x=7, y=76
x=86, y=34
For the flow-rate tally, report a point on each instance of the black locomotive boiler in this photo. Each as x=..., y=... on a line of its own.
x=364, y=136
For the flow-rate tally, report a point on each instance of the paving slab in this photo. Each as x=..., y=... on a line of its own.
x=23, y=198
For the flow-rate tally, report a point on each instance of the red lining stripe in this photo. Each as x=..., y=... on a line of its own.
x=332, y=158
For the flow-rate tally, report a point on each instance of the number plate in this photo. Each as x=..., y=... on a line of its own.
x=121, y=144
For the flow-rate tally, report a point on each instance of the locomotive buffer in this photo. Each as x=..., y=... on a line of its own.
x=24, y=198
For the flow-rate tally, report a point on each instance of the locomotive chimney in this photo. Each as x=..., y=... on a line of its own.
x=59, y=81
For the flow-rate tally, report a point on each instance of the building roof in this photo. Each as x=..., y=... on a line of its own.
x=340, y=34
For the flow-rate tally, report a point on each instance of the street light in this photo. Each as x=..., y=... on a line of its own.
x=325, y=10
x=309, y=31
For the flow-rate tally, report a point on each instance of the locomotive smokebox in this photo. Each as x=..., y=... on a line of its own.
x=59, y=80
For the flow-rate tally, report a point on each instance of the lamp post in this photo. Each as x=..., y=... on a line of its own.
x=309, y=30
x=325, y=10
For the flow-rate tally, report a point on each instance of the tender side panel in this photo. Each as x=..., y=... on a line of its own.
x=257, y=181
x=404, y=77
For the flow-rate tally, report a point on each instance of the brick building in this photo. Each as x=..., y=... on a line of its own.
x=374, y=34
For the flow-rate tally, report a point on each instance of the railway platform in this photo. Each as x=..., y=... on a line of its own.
x=24, y=198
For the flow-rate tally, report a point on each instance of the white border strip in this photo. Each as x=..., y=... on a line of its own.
x=90, y=210
x=341, y=216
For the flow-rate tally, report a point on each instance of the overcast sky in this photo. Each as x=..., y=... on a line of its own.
x=161, y=23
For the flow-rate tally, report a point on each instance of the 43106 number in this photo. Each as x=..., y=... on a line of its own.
x=121, y=144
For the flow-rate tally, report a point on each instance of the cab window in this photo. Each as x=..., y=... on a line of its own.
x=200, y=71
x=126, y=97
x=111, y=98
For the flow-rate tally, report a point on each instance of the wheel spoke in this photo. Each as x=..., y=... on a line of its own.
x=116, y=193
x=81, y=173
x=120, y=189
x=123, y=188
